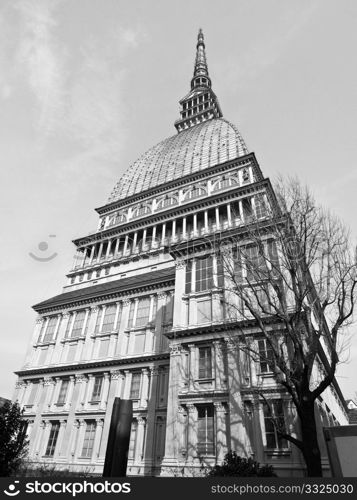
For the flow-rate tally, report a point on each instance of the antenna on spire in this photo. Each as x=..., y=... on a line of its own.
x=201, y=68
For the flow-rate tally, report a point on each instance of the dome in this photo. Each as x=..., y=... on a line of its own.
x=197, y=148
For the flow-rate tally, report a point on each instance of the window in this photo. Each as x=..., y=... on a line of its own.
x=97, y=388
x=274, y=420
x=50, y=330
x=88, y=441
x=245, y=175
x=167, y=202
x=255, y=263
x=204, y=362
x=238, y=265
x=188, y=287
x=142, y=315
x=224, y=183
x=266, y=356
x=135, y=386
x=260, y=207
x=63, y=392
x=78, y=324
x=168, y=310
x=195, y=192
x=52, y=441
x=204, y=274
x=109, y=318
x=205, y=430
x=142, y=210
x=131, y=314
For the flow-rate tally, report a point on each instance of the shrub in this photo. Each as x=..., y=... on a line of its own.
x=234, y=465
x=13, y=440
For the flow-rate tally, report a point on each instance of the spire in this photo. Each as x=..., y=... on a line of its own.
x=201, y=103
x=201, y=68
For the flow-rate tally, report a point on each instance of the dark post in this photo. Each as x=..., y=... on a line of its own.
x=116, y=457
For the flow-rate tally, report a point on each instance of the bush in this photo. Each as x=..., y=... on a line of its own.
x=13, y=440
x=234, y=465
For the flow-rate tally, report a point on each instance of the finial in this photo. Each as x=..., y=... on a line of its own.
x=200, y=38
x=200, y=62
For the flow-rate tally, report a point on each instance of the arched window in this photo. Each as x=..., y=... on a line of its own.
x=142, y=210
x=195, y=192
x=225, y=182
x=167, y=202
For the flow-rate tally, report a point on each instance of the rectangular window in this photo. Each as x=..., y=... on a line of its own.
x=205, y=430
x=274, y=420
x=266, y=356
x=142, y=315
x=204, y=362
x=78, y=324
x=135, y=386
x=88, y=441
x=255, y=263
x=188, y=285
x=97, y=388
x=63, y=392
x=131, y=314
x=204, y=273
x=238, y=265
x=260, y=207
x=52, y=441
x=109, y=318
x=169, y=310
x=50, y=330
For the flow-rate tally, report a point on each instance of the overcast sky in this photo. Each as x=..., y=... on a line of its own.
x=86, y=86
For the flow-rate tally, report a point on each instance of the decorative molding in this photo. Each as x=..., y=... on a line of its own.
x=116, y=374
x=180, y=264
x=175, y=349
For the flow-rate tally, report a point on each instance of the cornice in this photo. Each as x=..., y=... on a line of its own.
x=75, y=367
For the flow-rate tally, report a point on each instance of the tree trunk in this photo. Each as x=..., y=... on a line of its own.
x=311, y=449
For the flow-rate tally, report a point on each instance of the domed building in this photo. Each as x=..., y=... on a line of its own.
x=143, y=314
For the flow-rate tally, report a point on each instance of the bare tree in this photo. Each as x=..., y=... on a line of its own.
x=292, y=274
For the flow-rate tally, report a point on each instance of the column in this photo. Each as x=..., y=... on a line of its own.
x=52, y=401
x=69, y=395
x=174, y=230
x=138, y=454
x=127, y=384
x=192, y=432
x=192, y=367
x=100, y=251
x=241, y=213
x=105, y=391
x=144, y=393
x=55, y=333
x=182, y=431
x=153, y=238
x=217, y=218
x=45, y=437
x=171, y=445
x=79, y=445
x=144, y=239
x=90, y=385
x=184, y=227
x=72, y=318
x=150, y=421
x=74, y=438
x=125, y=249
x=195, y=224
x=221, y=431
x=115, y=389
x=121, y=344
x=97, y=437
x=163, y=234
x=42, y=438
x=103, y=308
x=219, y=369
x=135, y=240
x=40, y=340
x=229, y=215
x=49, y=385
x=254, y=210
x=82, y=380
x=91, y=255
x=85, y=321
x=109, y=247
x=206, y=221
x=116, y=250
